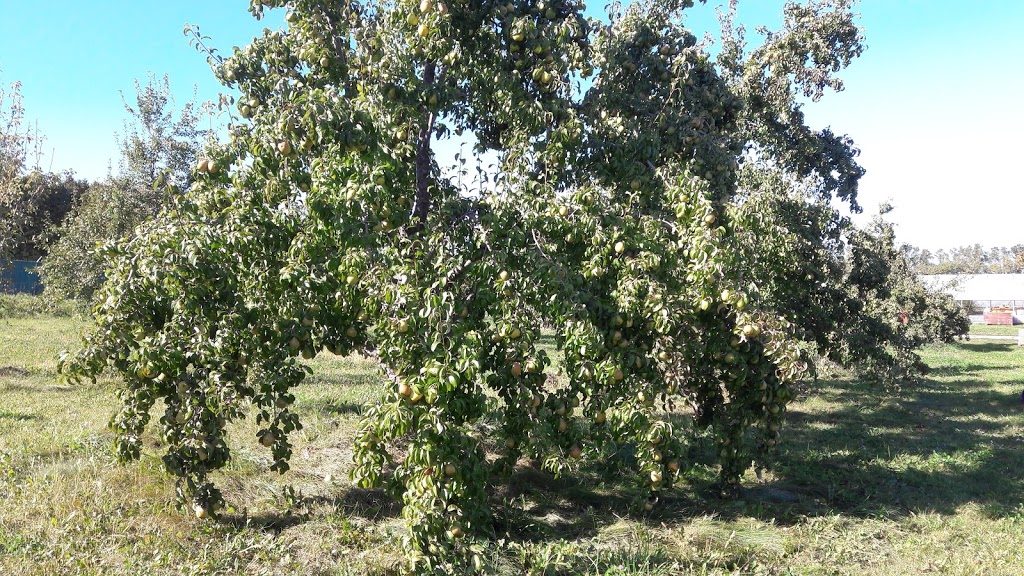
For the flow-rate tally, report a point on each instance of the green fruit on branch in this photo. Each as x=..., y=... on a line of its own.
x=333, y=222
x=267, y=439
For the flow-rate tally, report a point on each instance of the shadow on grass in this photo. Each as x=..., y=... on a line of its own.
x=533, y=505
x=335, y=407
x=13, y=372
x=360, y=502
x=862, y=452
x=374, y=505
x=269, y=522
x=936, y=447
x=547, y=340
x=17, y=416
x=989, y=346
x=958, y=369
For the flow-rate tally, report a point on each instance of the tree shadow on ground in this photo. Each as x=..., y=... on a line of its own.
x=861, y=452
x=533, y=505
x=374, y=505
x=958, y=369
x=267, y=522
x=334, y=407
x=988, y=346
x=547, y=339
x=369, y=504
x=13, y=372
x=935, y=447
x=17, y=416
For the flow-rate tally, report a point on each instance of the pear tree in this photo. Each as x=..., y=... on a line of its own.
x=328, y=222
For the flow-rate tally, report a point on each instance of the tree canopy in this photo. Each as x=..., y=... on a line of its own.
x=619, y=216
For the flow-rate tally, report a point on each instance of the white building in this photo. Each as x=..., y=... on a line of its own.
x=982, y=291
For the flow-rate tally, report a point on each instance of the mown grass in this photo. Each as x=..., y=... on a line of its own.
x=995, y=330
x=929, y=480
x=28, y=306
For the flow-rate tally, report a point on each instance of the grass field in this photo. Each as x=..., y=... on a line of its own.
x=927, y=481
x=982, y=329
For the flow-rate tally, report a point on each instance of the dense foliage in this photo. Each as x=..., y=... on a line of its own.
x=856, y=300
x=47, y=198
x=899, y=314
x=619, y=213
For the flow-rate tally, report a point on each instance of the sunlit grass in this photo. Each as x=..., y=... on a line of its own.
x=997, y=330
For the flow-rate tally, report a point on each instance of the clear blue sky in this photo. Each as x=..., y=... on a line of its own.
x=935, y=103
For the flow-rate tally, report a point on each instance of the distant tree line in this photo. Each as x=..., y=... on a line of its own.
x=20, y=152
x=67, y=221
x=972, y=259
x=45, y=200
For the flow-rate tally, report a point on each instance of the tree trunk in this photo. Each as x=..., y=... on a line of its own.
x=421, y=207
